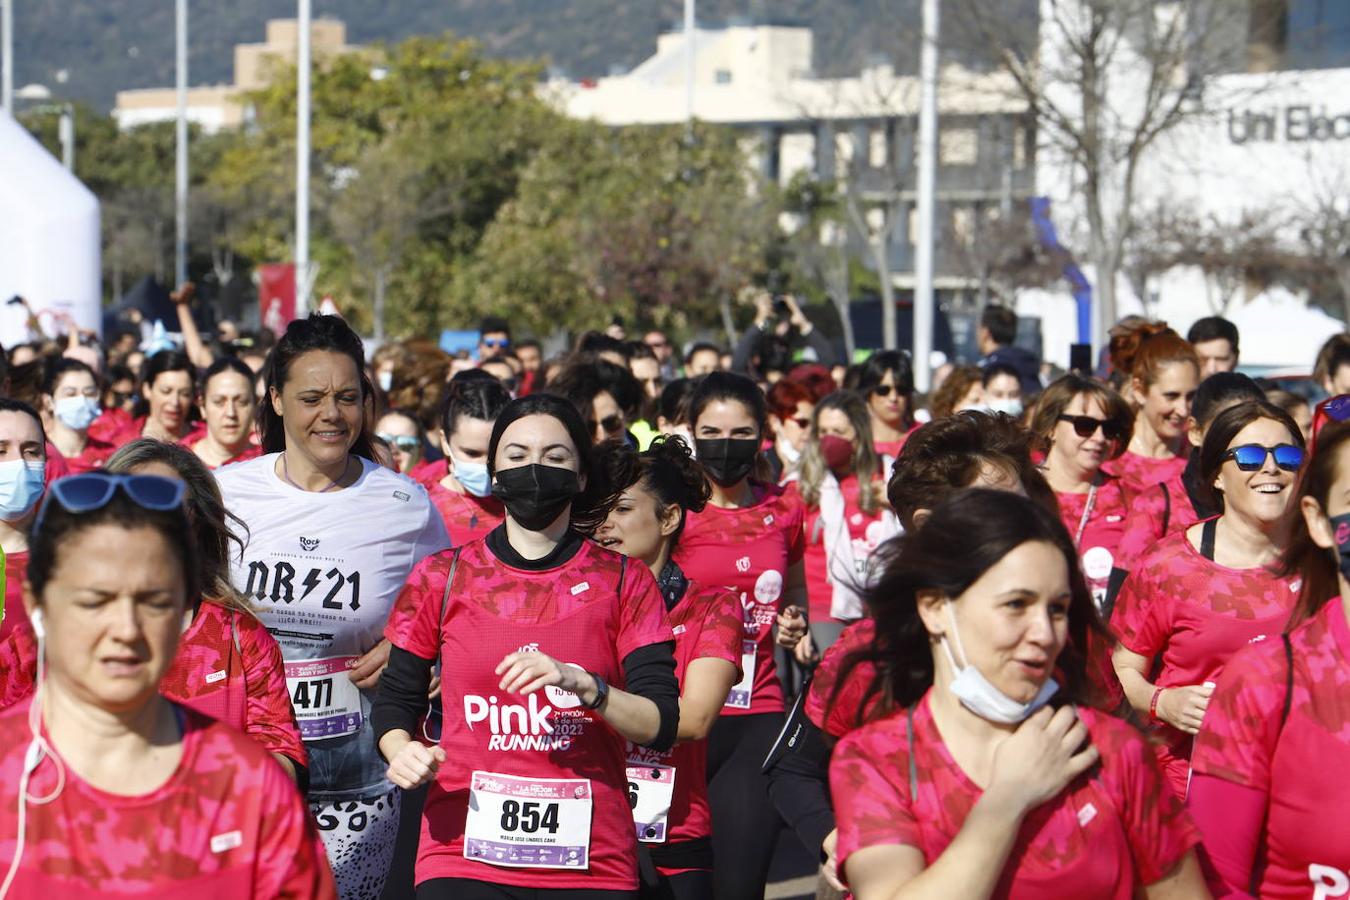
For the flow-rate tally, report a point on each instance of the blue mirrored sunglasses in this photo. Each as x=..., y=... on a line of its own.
x=1251, y=457
x=95, y=490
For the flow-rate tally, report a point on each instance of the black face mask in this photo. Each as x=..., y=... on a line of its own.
x=535, y=495
x=727, y=460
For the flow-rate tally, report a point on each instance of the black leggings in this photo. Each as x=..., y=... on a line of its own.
x=745, y=824
x=472, y=889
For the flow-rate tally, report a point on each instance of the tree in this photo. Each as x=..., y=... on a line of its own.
x=454, y=122
x=659, y=225
x=1105, y=80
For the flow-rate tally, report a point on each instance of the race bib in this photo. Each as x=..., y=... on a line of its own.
x=327, y=703
x=528, y=823
x=739, y=698
x=650, y=791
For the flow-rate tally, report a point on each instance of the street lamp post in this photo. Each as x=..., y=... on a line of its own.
x=7, y=55
x=923, y=255
x=180, y=244
x=65, y=127
x=302, y=163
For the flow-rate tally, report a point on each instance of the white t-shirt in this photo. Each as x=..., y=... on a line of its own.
x=323, y=571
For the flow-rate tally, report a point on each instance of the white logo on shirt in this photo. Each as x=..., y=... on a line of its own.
x=581, y=588
x=743, y=564
x=678, y=630
x=399, y=495
x=213, y=677
x=1330, y=882
x=768, y=520
x=227, y=841
x=1086, y=814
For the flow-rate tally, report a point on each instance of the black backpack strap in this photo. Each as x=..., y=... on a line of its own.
x=623, y=570
x=1167, y=508
x=1207, y=533
x=449, y=580
x=1259, y=865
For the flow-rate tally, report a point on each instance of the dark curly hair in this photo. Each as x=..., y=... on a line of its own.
x=666, y=470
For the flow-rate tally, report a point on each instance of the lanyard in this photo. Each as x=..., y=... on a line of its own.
x=1087, y=514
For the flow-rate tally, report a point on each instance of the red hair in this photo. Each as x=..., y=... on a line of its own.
x=815, y=378
x=784, y=396
x=1143, y=349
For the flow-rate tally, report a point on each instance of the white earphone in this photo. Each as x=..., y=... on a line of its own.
x=36, y=621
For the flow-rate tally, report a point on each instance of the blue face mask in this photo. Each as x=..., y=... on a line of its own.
x=980, y=696
x=473, y=477
x=21, y=486
x=77, y=413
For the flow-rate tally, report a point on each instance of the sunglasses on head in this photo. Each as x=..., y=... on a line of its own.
x=610, y=424
x=1332, y=409
x=1251, y=457
x=95, y=490
x=1086, y=426
x=405, y=442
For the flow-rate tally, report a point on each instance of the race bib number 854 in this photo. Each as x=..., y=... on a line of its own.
x=539, y=823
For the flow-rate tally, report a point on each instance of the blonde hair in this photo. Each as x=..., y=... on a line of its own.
x=866, y=465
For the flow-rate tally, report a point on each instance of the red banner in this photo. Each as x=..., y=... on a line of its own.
x=276, y=295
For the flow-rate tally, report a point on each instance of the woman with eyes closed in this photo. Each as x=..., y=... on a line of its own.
x=228, y=403
x=554, y=652
x=1200, y=595
x=331, y=539
x=750, y=539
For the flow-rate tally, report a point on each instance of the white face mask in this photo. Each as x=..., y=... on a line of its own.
x=788, y=453
x=385, y=380
x=979, y=696
x=473, y=477
x=77, y=413
x=1010, y=405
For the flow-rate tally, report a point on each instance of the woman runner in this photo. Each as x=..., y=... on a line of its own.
x=163, y=410
x=660, y=487
x=886, y=379
x=553, y=652
x=978, y=786
x=1179, y=502
x=23, y=470
x=1269, y=785
x=1200, y=595
x=106, y=786
x=227, y=666
x=228, y=402
x=459, y=485
x=1160, y=372
x=332, y=538
x=749, y=539
x=70, y=398
x=1084, y=424
x=842, y=484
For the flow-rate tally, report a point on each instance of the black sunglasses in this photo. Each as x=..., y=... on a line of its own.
x=1086, y=426
x=95, y=490
x=610, y=424
x=1251, y=457
x=884, y=390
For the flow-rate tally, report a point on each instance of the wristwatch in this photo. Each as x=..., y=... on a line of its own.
x=601, y=692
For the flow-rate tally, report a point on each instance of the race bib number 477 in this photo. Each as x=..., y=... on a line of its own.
x=327, y=703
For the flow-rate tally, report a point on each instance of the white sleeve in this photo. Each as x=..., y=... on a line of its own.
x=433, y=538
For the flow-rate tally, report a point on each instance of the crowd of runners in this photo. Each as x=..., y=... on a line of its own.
x=287, y=618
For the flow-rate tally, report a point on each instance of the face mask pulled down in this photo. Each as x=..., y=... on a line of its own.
x=1340, y=528
x=536, y=495
x=727, y=460
x=979, y=696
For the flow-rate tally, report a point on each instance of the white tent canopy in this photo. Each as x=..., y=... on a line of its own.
x=1278, y=330
x=49, y=238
